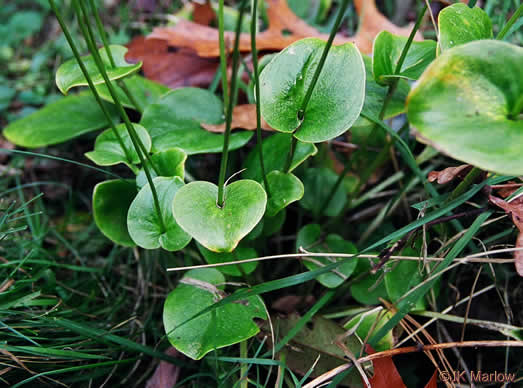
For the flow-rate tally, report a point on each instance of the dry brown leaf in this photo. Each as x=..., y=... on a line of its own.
x=166, y=374
x=204, y=40
x=447, y=175
x=515, y=209
x=243, y=116
x=171, y=66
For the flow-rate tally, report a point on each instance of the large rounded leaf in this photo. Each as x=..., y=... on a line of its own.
x=240, y=253
x=69, y=74
x=143, y=221
x=108, y=150
x=174, y=121
x=284, y=189
x=219, y=229
x=459, y=24
x=168, y=163
x=275, y=149
x=223, y=326
x=59, y=121
x=336, y=101
x=143, y=90
x=111, y=201
x=310, y=239
x=468, y=104
x=319, y=183
x=386, y=54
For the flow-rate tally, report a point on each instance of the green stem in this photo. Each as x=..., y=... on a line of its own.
x=316, y=76
x=223, y=56
x=105, y=41
x=91, y=43
x=132, y=134
x=510, y=23
x=405, y=50
x=230, y=106
x=465, y=184
x=290, y=156
x=243, y=371
x=88, y=77
x=254, y=20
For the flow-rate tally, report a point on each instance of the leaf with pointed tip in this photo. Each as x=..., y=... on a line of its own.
x=336, y=101
x=59, y=121
x=108, y=150
x=224, y=326
x=144, y=91
x=310, y=239
x=468, y=104
x=111, y=201
x=143, y=221
x=70, y=75
x=459, y=24
x=174, y=121
x=285, y=189
x=240, y=253
x=275, y=149
x=319, y=183
x=219, y=229
x=387, y=52
x=169, y=163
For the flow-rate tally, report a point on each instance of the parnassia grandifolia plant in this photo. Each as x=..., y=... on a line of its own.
x=463, y=95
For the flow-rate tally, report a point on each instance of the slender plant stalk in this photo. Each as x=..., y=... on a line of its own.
x=316, y=76
x=88, y=77
x=91, y=42
x=230, y=105
x=223, y=55
x=132, y=134
x=255, y=74
x=510, y=23
x=290, y=156
x=465, y=184
x=244, y=369
x=105, y=41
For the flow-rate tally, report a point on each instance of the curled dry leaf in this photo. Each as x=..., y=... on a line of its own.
x=166, y=374
x=515, y=209
x=243, y=116
x=449, y=174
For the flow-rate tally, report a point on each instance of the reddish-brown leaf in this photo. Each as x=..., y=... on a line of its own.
x=449, y=174
x=433, y=382
x=171, y=66
x=243, y=116
x=166, y=374
x=515, y=209
x=385, y=373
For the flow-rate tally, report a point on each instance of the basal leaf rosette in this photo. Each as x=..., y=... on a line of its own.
x=468, y=104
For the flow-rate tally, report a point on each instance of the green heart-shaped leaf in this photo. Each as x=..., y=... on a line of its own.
x=174, y=121
x=144, y=91
x=275, y=149
x=310, y=239
x=285, y=189
x=375, y=95
x=370, y=289
x=70, y=75
x=468, y=104
x=370, y=322
x=319, y=183
x=111, y=201
x=336, y=101
x=459, y=24
x=169, y=163
x=221, y=327
x=386, y=54
x=219, y=229
x=240, y=253
x=108, y=151
x=401, y=277
x=143, y=221
x=59, y=121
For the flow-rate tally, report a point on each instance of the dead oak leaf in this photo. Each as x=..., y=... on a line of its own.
x=243, y=116
x=449, y=174
x=515, y=209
